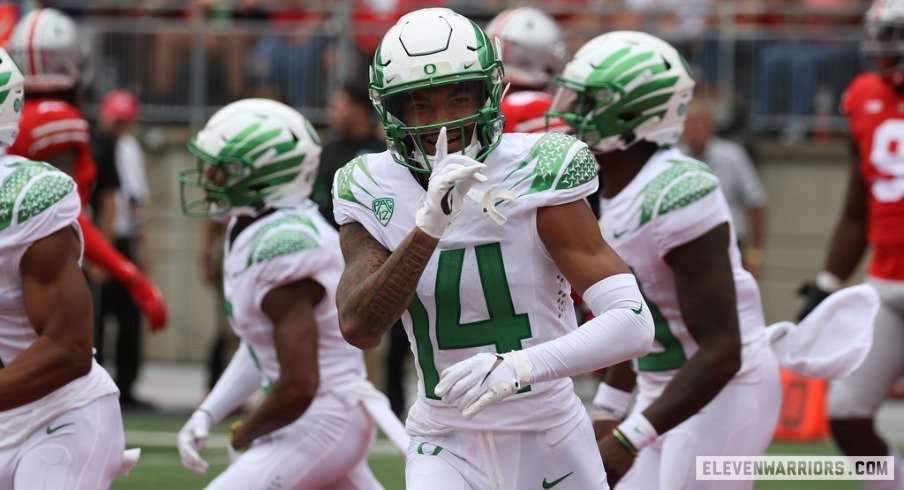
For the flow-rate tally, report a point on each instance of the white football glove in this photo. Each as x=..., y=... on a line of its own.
x=451, y=179
x=483, y=379
x=192, y=440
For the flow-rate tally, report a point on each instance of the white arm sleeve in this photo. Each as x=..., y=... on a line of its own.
x=622, y=330
x=239, y=381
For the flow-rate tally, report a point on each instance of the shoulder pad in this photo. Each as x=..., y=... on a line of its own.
x=30, y=189
x=552, y=164
x=679, y=186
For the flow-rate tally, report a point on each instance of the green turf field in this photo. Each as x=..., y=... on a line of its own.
x=159, y=466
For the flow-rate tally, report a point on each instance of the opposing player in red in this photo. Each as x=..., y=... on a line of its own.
x=45, y=46
x=873, y=214
x=533, y=49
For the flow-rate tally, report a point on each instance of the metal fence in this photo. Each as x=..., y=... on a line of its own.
x=787, y=77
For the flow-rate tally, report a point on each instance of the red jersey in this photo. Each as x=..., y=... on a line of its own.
x=875, y=111
x=525, y=112
x=49, y=126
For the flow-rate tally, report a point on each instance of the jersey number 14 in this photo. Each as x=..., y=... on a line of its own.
x=504, y=328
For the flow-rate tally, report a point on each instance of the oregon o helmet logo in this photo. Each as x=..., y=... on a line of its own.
x=430, y=69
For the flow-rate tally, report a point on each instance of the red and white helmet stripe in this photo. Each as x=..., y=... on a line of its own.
x=45, y=45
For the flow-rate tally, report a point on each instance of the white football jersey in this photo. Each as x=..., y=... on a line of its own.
x=286, y=246
x=672, y=201
x=36, y=200
x=487, y=288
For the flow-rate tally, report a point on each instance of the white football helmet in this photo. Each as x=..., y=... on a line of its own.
x=883, y=48
x=623, y=87
x=46, y=47
x=253, y=154
x=533, y=47
x=429, y=48
x=12, y=94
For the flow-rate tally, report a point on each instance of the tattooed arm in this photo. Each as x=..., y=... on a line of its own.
x=377, y=286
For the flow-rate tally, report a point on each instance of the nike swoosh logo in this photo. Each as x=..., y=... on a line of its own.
x=469, y=65
x=616, y=234
x=554, y=482
x=51, y=430
x=638, y=310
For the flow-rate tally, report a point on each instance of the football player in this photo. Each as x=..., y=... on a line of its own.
x=474, y=238
x=873, y=214
x=60, y=424
x=626, y=95
x=533, y=49
x=257, y=160
x=45, y=46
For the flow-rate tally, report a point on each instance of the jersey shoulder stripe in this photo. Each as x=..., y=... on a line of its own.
x=552, y=163
x=680, y=185
x=31, y=189
x=354, y=182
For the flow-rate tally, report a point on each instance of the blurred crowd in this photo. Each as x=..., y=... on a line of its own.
x=775, y=63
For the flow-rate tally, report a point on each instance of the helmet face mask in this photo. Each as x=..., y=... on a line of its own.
x=251, y=155
x=418, y=116
x=624, y=87
x=435, y=68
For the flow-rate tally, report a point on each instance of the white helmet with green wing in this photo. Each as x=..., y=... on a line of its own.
x=253, y=154
x=623, y=87
x=436, y=68
x=12, y=93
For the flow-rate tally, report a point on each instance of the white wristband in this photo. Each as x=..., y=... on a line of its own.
x=637, y=429
x=828, y=282
x=609, y=403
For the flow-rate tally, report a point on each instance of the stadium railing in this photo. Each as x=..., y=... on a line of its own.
x=770, y=67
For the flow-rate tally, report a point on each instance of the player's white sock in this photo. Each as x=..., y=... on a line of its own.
x=898, y=470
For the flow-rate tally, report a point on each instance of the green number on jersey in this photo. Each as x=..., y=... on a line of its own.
x=672, y=355
x=504, y=328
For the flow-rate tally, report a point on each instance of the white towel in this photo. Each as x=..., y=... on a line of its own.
x=833, y=340
x=377, y=405
x=129, y=458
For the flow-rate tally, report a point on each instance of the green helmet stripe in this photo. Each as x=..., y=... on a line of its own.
x=605, y=73
x=626, y=77
x=614, y=57
x=640, y=106
x=3, y=96
x=254, y=143
x=485, y=53
x=265, y=173
x=310, y=130
x=4, y=77
x=280, y=148
x=237, y=139
x=378, y=67
x=653, y=86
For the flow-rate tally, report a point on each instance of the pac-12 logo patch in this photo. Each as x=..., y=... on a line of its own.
x=383, y=208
